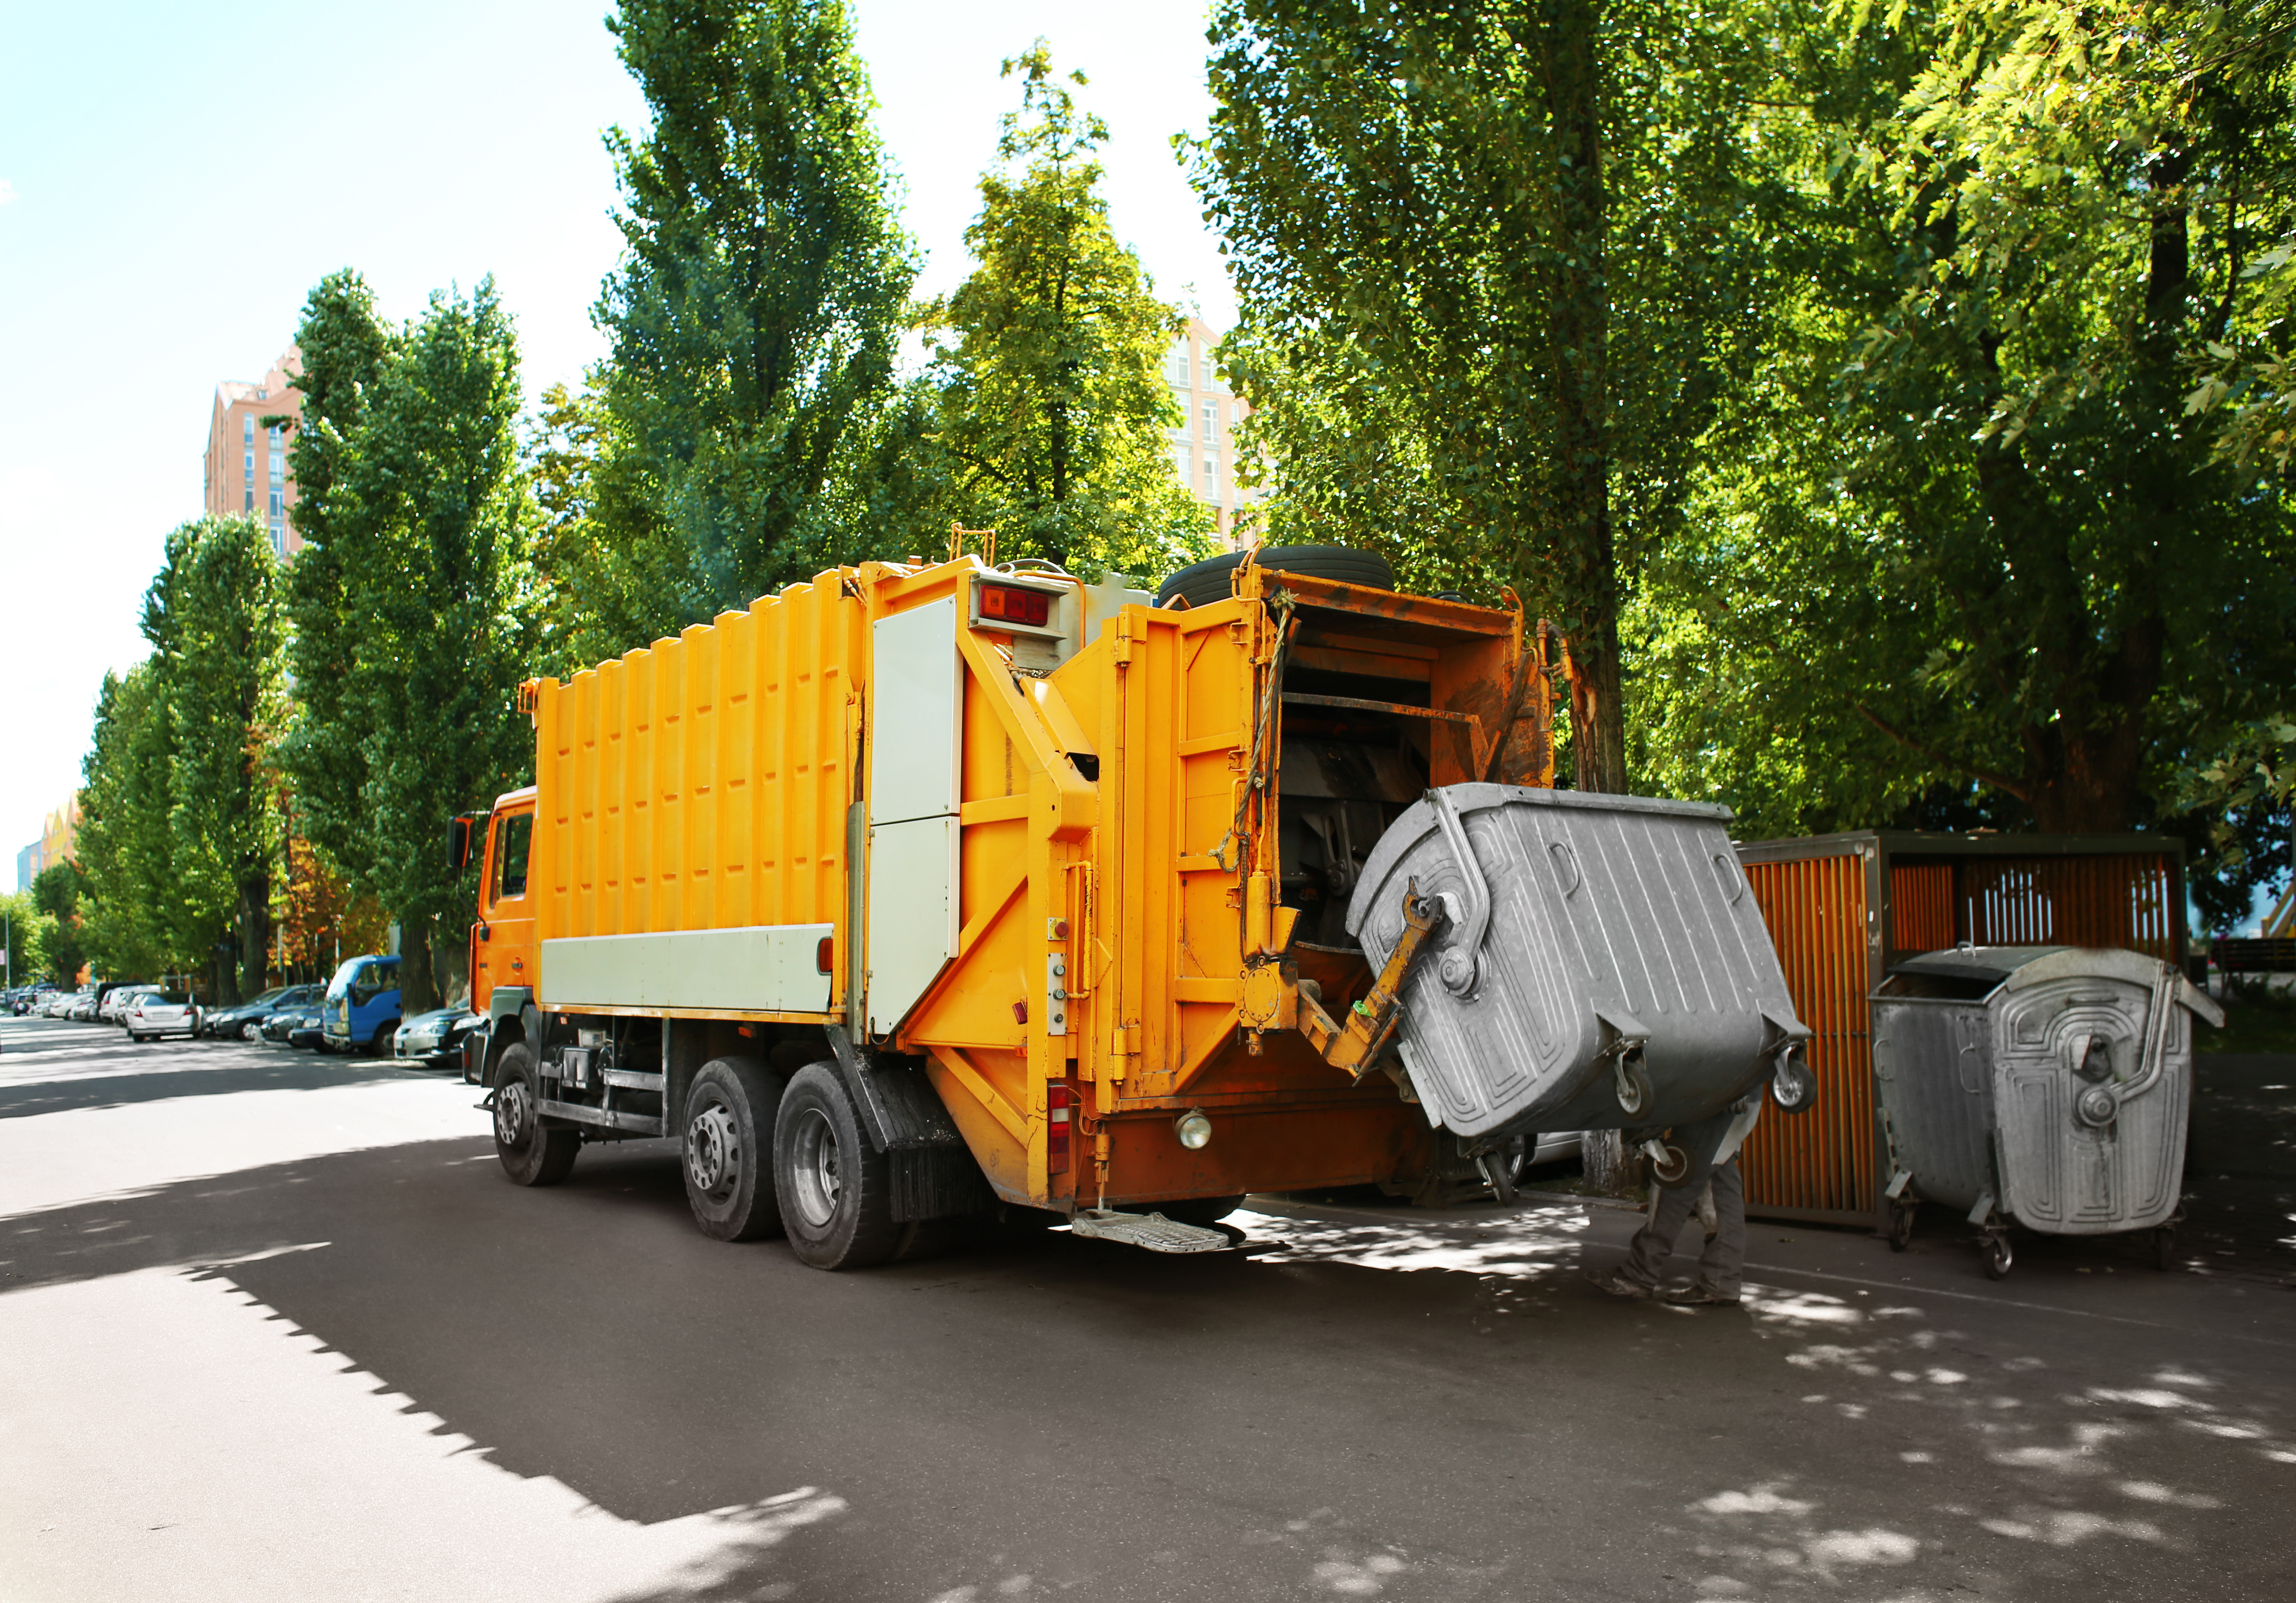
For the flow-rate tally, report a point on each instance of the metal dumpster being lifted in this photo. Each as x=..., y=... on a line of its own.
x=1601, y=962
x=2042, y=1086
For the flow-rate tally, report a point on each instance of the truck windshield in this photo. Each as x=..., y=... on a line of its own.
x=347, y=975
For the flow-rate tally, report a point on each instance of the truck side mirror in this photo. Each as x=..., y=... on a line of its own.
x=458, y=839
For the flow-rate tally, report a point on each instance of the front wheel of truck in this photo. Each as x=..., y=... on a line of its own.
x=835, y=1189
x=729, y=1141
x=531, y=1154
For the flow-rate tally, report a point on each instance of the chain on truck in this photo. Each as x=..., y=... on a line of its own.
x=929, y=890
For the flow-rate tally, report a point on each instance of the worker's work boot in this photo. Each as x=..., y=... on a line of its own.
x=1701, y=1295
x=1619, y=1286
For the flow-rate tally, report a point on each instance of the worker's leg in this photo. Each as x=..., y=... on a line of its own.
x=1653, y=1243
x=1721, y=1268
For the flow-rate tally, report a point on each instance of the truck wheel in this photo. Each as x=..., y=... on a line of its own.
x=729, y=1140
x=835, y=1189
x=531, y=1154
x=382, y=1034
x=1213, y=579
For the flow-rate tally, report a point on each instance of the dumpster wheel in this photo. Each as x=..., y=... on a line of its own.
x=1998, y=1257
x=1901, y=1224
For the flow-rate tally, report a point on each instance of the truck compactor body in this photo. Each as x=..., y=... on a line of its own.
x=921, y=890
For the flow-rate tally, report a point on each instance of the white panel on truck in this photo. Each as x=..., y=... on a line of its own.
x=917, y=704
x=912, y=914
x=762, y=969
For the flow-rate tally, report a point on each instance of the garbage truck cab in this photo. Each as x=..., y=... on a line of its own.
x=923, y=890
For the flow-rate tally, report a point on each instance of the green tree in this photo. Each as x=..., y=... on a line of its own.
x=125, y=849
x=344, y=345
x=1961, y=538
x=755, y=317
x=56, y=895
x=1053, y=411
x=26, y=934
x=613, y=569
x=1515, y=233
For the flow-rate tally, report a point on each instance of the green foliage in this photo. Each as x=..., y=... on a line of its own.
x=755, y=316
x=27, y=932
x=1053, y=410
x=344, y=346
x=1492, y=265
x=612, y=567
x=428, y=523
x=1962, y=505
x=179, y=823
x=57, y=895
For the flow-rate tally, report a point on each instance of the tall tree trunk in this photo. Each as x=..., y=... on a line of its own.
x=1580, y=325
x=417, y=993
x=254, y=931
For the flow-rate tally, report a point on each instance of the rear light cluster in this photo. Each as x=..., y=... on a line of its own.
x=1014, y=604
x=824, y=955
x=1056, y=1134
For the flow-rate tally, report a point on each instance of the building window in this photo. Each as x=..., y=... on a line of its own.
x=1211, y=475
x=275, y=436
x=278, y=503
x=1209, y=379
x=247, y=466
x=1211, y=422
x=247, y=430
x=278, y=537
x=250, y=495
x=278, y=466
x=1184, y=464
x=1176, y=363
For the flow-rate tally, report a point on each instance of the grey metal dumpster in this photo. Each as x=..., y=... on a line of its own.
x=1601, y=964
x=2041, y=1085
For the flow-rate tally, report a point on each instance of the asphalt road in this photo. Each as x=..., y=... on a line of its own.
x=276, y=1327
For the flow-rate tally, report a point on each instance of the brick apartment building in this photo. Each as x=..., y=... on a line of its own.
x=247, y=460
x=1203, y=447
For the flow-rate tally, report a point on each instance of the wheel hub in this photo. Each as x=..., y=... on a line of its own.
x=713, y=1149
x=514, y=1113
x=817, y=1171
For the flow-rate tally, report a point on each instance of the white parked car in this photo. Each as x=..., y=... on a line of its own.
x=157, y=1013
x=113, y=1008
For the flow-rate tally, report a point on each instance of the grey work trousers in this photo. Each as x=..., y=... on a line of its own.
x=1723, y=1264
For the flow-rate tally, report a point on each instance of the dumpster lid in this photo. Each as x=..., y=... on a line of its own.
x=1993, y=963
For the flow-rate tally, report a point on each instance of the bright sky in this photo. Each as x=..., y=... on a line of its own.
x=174, y=179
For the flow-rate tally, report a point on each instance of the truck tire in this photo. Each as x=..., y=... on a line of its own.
x=728, y=1147
x=531, y=1154
x=835, y=1189
x=1200, y=584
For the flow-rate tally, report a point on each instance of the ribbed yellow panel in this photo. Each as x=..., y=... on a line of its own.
x=700, y=783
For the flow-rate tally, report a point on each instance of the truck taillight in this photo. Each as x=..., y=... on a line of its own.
x=1056, y=1134
x=824, y=955
x=1014, y=604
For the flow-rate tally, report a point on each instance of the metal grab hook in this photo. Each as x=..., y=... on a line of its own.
x=1458, y=966
x=2099, y=1104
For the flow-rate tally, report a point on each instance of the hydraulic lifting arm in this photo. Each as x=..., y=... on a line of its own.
x=1356, y=1045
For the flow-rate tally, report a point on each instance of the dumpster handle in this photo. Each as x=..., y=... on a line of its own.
x=1459, y=965
x=2090, y=1108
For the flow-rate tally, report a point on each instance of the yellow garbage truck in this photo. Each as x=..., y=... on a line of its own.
x=930, y=889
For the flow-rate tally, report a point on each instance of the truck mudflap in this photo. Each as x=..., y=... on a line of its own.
x=934, y=1175
x=1599, y=963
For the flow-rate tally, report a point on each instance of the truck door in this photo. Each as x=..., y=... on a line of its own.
x=505, y=945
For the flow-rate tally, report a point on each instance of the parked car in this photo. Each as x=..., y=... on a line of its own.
x=152, y=1013
x=113, y=1008
x=308, y=1029
x=278, y=1024
x=362, y=1005
x=243, y=1020
x=82, y=1009
x=435, y=1039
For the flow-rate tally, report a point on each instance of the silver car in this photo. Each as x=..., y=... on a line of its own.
x=157, y=1013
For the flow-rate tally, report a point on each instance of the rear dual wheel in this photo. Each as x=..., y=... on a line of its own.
x=729, y=1143
x=836, y=1187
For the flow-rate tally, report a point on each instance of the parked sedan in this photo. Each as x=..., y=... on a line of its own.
x=154, y=1013
x=278, y=1023
x=435, y=1039
x=306, y=1027
x=81, y=1009
x=113, y=1008
x=244, y=1020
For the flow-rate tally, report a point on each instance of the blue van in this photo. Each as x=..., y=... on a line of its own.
x=361, y=1011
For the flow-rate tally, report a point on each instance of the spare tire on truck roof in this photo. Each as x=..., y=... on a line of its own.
x=1200, y=584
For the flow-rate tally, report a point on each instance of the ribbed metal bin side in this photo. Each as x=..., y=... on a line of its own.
x=2063, y=1173
x=1821, y=1164
x=2121, y=899
x=1608, y=914
x=1933, y=1063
